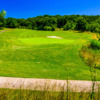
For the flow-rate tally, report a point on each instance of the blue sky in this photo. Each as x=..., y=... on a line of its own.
x=32, y=8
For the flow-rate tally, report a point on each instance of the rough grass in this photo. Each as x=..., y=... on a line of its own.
x=9, y=94
x=88, y=52
x=28, y=53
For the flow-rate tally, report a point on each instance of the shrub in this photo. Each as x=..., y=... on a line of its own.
x=97, y=30
x=1, y=28
x=34, y=28
x=29, y=27
x=22, y=27
x=53, y=27
x=48, y=28
x=95, y=44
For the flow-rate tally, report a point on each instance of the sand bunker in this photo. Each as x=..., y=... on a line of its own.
x=54, y=37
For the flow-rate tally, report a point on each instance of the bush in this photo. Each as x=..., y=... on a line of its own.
x=29, y=27
x=1, y=28
x=95, y=44
x=48, y=28
x=34, y=28
x=97, y=30
x=22, y=27
x=53, y=27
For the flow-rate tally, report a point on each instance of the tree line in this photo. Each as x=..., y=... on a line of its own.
x=50, y=23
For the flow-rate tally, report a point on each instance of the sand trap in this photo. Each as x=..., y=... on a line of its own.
x=54, y=37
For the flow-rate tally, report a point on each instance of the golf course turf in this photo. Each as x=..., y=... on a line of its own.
x=30, y=54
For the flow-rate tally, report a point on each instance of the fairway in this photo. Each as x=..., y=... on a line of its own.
x=30, y=54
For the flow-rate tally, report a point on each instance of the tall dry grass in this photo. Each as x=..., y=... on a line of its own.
x=47, y=94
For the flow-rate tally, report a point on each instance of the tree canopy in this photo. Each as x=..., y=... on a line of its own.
x=2, y=19
x=48, y=22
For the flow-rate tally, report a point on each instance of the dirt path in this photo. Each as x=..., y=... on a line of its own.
x=5, y=30
x=2, y=31
x=46, y=84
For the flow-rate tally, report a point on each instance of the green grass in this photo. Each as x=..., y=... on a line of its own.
x=30, y=54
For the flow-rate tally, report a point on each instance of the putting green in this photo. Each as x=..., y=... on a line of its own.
x=43, y=41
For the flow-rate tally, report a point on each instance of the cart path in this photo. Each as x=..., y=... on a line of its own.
x=46, y=84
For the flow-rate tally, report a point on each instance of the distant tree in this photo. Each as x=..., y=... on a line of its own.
x=21, y=22
x=33, y=23
x=3, y=13
x=69, y=25
x=81, y=24
x=97, y=29
x=94, y=27
x=61, y=21
x=25, y=23
x=11, y=23
x=98, y=20
x=2, y=19
x=48, y=22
